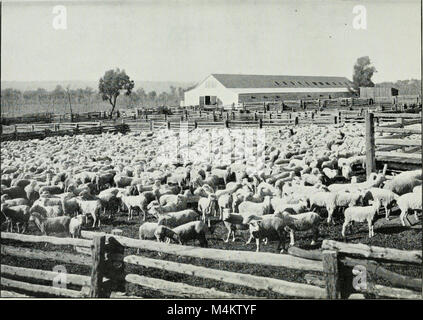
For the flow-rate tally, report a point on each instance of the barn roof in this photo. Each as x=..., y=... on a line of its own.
x=268, y=81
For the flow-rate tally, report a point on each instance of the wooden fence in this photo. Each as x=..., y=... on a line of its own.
x=390, y=140
x=41, y=131
x=105, y=255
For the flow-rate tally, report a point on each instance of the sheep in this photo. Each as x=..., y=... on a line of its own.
x=14, y=192
x=75, y=225
x=162, y=232
x=50, y=189
x=122, y=181
x=91, y=207
x=195, y=230
x=147, y=230
x=262, y=208
x=16, y=202
x=326, y=200
x=270, y=227
x=360, y=214
x=224, y=174
x=50, y=225
x=18, y=215
x=233, y=222
x=224, y=201
x=402, y=184
x=109, y=200
x=418, y=189
x=301, y=222
x=207, y=207
x=409, y=201
x=47, y=211
x=179, y=200
x=293, y=206
x=386, y=197
x=132, y=202
x=175, y=219
x=374, y=180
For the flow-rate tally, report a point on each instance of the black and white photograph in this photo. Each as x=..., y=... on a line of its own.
x=211, y=155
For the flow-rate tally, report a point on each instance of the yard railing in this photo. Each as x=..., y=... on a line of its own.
x=334, y=266
x=389, y=139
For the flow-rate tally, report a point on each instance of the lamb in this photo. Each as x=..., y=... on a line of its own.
x=301, y=222
x=175, y=219
x=16, y=215
x=386, y=197
x=409, y=201
x=360, y=214
x=75, y=225
x=207, y=207
x=91, y=207
x=162, y=232
x=50, y=225
x=195, y=230
x=271, y=227
x=233, y=222
x=132, y=202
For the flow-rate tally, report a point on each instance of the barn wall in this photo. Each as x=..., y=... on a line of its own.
x=253, y=97
x=210, y=87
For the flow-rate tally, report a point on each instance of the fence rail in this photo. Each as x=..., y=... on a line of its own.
x=108, y=277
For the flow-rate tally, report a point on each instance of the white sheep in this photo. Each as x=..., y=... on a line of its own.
x=301, y=222
x=50, y=225
x=248, y=207
x=386, y=198
x=270, y=227
x=402, y=184
x=91, y=207
x=207, y=207
x=361, y=214
x=409, y=201
x=326, y=200
x=75, y=225
x=195, y=230
x=175, y=219
x=233, y=222
x=147, y=231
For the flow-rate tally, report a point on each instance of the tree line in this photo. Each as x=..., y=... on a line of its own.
x=68, y=100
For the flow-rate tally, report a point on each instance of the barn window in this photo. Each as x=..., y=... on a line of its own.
x=264, y=97
x=252, y=97
x=277, y=83
x=277, y=97
x=285, y=83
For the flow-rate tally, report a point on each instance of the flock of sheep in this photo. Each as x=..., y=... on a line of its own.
x=296, y=177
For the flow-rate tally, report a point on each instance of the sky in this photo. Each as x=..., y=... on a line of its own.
x=188, y=40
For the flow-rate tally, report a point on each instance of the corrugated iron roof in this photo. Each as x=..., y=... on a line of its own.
x=267, y=81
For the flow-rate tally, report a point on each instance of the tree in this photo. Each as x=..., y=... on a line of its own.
x=363, y=73
x=111, y=85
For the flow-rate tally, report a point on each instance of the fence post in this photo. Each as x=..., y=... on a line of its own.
x=168, y=125
x=335, y=119
x=255, y=116
x=97, y=252
x=260, y=123
x=151, y=125
x=296, y=120
x=195, y=124
x=370, y=144
x=227, y=123
x=331, y=271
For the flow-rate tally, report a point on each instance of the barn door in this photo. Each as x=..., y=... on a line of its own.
x=201, y=101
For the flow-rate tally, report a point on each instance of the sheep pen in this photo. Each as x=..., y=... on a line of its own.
x=152, y=157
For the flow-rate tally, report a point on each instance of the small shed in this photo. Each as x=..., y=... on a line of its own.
x=376, y=92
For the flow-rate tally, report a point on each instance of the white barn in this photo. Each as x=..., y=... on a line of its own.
x=232, y=89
